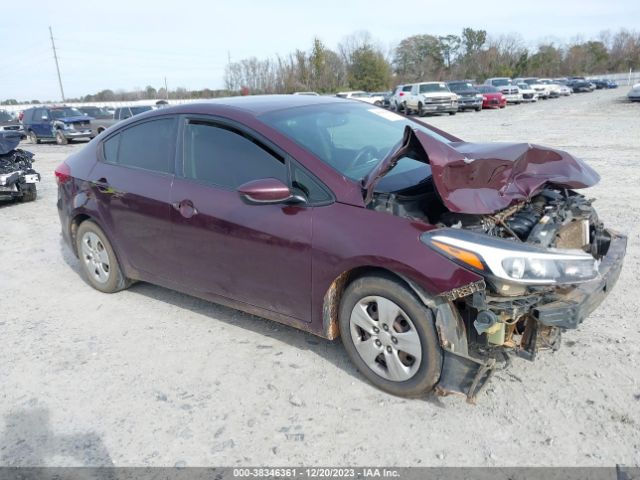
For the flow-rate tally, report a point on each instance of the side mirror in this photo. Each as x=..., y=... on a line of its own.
x=268, y=191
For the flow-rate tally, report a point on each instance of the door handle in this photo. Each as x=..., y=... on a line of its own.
x=185, y=207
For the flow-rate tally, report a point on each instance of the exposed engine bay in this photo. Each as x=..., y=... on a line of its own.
x=506, y=316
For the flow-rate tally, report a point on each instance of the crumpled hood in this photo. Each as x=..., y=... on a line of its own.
x=483, y=178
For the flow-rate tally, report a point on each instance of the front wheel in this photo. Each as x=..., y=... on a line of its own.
x=390, y=336
x=98, y=260
x=60, y=138
x=452, y=113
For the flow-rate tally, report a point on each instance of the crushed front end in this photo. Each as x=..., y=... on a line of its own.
x=18, y=179
x=547, y=264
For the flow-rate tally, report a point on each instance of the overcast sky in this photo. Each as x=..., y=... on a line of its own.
x=122, y=44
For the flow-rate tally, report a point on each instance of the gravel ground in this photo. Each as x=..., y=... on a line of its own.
x=152, y=377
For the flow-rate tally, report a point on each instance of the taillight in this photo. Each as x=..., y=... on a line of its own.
x=401, y=94
x=63, y=174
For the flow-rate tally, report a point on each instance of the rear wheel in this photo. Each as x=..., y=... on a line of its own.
x=452, y=113
x=33, y=138
x=390, y=336
x=98, y=261
x=60, y=138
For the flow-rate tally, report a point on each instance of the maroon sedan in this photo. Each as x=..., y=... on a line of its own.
x=430, y=256
x=491, y=97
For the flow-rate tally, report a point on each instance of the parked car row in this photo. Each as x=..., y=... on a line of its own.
x=496, y=92
x=64, y=124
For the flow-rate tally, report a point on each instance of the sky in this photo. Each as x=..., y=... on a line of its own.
x=120, y=44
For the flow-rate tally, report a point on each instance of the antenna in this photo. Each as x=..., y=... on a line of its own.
x=55, y=56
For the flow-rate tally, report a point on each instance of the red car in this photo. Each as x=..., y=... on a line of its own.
x=429, y=256
x=491, y=97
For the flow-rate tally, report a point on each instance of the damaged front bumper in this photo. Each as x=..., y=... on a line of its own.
x=573, y=306
x=566, y=308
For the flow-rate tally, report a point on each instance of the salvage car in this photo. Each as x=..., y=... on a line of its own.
x=9, y=124
x=62, y=124
x=18, y=179
x=491, y=97
x=468, y=96
x=634, y=93
x=430, y=257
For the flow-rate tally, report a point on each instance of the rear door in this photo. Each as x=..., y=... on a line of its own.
x=132, y=183
x=255, y=254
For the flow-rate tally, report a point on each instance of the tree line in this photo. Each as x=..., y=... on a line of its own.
x=360, y=63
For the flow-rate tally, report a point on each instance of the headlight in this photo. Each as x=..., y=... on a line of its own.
x=478, y=96
x=510, y=261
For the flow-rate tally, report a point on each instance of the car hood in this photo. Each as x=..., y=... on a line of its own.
x=484, y=178
x=76, y=118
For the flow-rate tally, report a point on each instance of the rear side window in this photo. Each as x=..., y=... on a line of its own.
x=223, y=156
x=406, y=88
x=149, y=146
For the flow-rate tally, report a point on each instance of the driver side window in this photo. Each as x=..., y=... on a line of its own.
x=226, y=157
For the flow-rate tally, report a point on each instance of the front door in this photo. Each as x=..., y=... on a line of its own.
x=256, y=254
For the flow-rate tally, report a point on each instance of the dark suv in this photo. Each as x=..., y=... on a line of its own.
x=61, y=124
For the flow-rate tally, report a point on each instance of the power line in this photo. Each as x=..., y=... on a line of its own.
x=55, y=56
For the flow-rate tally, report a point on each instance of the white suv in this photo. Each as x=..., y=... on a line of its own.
x=399, y=98
x=431, y=97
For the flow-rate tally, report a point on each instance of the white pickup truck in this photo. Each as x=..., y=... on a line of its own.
x=431, y=97
x=509, y=89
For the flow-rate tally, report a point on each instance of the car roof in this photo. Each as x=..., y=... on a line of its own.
x=254, y=104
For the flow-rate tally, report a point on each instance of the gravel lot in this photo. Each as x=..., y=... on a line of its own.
x=152, y=377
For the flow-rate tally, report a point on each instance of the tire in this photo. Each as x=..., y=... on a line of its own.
x=29, y=192
x=33, y=138
x=478, y=109
x=421, y=112
x=452, y=113
x=411, y=376
x=95, y=253
x=60, y=138
x=406, y=109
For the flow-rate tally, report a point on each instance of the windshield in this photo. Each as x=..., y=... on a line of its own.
x=523, y=86
x=65, y=112
x=487, y=89
x=352, y=138
x=500, y=82
x=5, y=117
x=460, y=86
x=433, y=87
x=137, y=110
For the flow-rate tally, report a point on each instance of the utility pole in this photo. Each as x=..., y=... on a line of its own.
x=55, y=56
x=166, y=89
